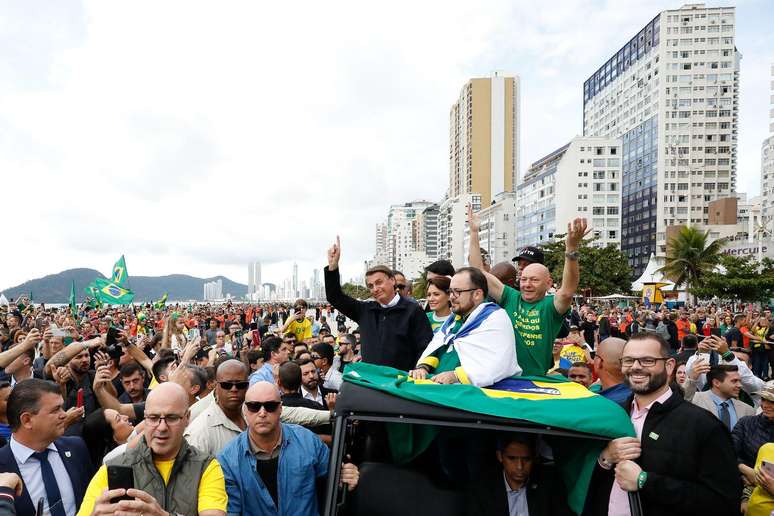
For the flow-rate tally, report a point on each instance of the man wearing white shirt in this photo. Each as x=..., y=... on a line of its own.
x=310, y=383
x=322, y=354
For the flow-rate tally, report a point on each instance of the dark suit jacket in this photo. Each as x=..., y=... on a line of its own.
x=546, y=494
x=78, y=467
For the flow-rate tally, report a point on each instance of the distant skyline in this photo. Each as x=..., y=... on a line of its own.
x=208, y=136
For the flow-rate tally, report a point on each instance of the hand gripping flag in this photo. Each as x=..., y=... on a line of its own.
x=545, y=400
x=120, y=274
x=113, y=294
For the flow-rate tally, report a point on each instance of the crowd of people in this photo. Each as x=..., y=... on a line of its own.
x=228, y=409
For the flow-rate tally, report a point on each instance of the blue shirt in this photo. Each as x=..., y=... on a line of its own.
x=264, y=374
x=303, y=459
x=617, y=393
x=729, y=403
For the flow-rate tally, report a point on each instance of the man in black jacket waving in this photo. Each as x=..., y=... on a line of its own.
x=394, y=330
x=682, y=460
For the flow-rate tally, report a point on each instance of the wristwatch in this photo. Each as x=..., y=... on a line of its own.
x=572, y=255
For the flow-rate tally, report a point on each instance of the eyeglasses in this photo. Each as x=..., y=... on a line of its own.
x=644, y=361
x=316, y=357
x=155, y=419
x=456, y=292
x=230, y=385
x=256, y=406
x=400, y=286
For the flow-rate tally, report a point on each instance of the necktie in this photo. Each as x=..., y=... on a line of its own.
x=725, y=416
x=55, y=505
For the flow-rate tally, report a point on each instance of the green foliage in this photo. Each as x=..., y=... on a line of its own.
x=604, y=270
x=690, y=257
x=420, y=286
x=356, y=291
x=743, y=279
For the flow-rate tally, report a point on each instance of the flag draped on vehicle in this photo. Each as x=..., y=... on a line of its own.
x=545, y=400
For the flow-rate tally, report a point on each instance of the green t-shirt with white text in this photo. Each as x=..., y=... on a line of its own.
x=536, y=325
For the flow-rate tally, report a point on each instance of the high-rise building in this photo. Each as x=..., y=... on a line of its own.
x=213, y=290
x=452, y=219
x=295, y=284
x=254, y=280
x=497, y=235
x=401, y=244
x=671, y=95
x=381, y=256
x=426, y=231
x=484, y=138
x=580, y=179
x=767, y=165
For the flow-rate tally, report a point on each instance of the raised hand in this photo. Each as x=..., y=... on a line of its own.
x=334, y=253
x=576, y=230
x=474, y=222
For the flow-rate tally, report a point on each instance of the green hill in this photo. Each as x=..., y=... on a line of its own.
x=55, y=288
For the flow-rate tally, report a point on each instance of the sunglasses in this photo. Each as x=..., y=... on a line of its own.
x=400, y=286
x=256, y=406
x=230, y=385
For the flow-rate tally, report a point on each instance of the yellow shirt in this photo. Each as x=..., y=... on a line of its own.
x=212, y=487
x=303, y=329
x=761, y=502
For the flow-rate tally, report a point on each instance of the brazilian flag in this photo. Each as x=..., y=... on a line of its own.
x=545, y=400
x=158, y=305
x=73, y=305
x=113, y=294
x=120, y=274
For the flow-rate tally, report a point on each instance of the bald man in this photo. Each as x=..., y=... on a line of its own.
x=536, y=317
x=607, y=364
x=166, y=490
x=506, y=273
x=222, y=421
x=272, y=467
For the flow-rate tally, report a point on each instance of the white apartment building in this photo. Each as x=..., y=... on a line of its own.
x=401, y=243
x=671, y=95
x=452, y=221
x=254, y=280
x=767, y=164
x=497, y=235
x=213, y=290
x=580, y=179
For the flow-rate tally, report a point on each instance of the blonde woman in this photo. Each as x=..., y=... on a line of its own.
x=175, y=333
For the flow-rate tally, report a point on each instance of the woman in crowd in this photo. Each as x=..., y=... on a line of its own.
x=710, y=324
x=174, y=333
x=104, y=431
x=752, y=432
x=728, y=323
x=760, y=355
x=438, y=301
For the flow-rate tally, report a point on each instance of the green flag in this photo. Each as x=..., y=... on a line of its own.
x=120, y=274
x=545, y=400
x=73, y=305
x=113, y=294
x=161, y=302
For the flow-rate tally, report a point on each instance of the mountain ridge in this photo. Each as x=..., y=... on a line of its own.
x=55, y=288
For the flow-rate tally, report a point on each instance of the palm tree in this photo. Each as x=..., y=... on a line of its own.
x=690, y=257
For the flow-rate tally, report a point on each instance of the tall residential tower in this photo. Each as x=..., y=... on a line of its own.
x=671, y=94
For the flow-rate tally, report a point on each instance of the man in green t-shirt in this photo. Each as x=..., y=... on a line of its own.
x=536, y=316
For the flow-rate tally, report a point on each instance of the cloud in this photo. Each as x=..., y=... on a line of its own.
x=194, y=138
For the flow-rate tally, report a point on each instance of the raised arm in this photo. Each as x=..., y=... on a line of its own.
x=333, y=293
x=67, y=353
x=29, y=342
x=137, y=354
x=576, y=230
x=494, y=285
x=106, y=399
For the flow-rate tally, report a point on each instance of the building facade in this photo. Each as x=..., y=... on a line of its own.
x=484, y=138
x=767, y=164
x=580, y=179
x=497, y=234
x=671, y=95
x=401, y=224
x=213, y=290
x=452, y=221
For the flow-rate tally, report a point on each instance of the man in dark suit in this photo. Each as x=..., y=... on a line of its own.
x=521, y=486
x=54, y=468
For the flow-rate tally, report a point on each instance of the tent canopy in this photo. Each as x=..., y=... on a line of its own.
x=652, y=276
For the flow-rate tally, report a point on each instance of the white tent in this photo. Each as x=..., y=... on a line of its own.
x=3, y=300
x=652, y=275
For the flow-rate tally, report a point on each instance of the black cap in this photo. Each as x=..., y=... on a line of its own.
x=531, y=254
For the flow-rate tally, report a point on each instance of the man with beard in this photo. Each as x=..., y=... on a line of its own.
x=311, y=389
x=682, y=460
x=475, y=345
x=346, y=354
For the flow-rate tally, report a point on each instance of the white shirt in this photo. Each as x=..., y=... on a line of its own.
x=393, y=302
x=31, y=474
x=314, y=396
x=211, y=431
x=517, y=499
x=333, y=379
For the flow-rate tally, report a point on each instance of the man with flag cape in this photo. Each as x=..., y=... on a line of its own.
x=476, y=346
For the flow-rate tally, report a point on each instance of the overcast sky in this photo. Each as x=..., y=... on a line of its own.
x=194, y=137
